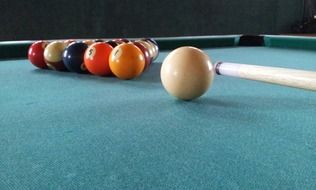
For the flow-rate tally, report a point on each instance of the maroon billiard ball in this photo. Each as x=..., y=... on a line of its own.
x=145, y=52
x=112, y=43
x=36, y=54
x=155, y=48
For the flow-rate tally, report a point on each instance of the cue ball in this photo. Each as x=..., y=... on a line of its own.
x=187, y=73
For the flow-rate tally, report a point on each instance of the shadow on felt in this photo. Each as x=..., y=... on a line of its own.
x=150, y=75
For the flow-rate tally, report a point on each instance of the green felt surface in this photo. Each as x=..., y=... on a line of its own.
x=295, y=42
x=68, y=131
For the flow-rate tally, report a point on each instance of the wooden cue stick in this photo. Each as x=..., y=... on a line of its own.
x=274, y=75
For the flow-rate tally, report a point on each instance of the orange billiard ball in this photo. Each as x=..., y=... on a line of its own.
x=96, y=58
x=53, y=55
x=127, y=61
x=36, y=54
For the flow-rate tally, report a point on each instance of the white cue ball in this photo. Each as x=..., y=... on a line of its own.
x=187, y=73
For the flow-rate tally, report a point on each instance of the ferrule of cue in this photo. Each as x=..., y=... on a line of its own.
x=274, y=75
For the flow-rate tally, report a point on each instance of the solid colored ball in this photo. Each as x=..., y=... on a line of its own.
x=121, y=40
x=96, y=58
x=127, y=61
x=151, y=40
x=112, y=43
x=145, y=52
x=155, y=46
x=53, y=55
x=73, y=57
x=36, y=54
x=187, y=73
x=149, y=46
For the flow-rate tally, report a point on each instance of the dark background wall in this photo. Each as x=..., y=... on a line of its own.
x=35, y=19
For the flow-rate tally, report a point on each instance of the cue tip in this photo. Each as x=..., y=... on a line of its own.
x=217, y=65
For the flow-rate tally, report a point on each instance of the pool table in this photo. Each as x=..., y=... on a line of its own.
x=61, y=130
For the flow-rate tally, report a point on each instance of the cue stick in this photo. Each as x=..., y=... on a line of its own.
x=274, y=75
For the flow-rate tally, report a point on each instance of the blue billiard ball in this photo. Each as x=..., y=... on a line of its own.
x=73, y=57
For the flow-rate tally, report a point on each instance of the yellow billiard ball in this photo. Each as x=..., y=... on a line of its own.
x=127, y=61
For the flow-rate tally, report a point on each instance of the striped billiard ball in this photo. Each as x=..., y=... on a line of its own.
x=53, y=55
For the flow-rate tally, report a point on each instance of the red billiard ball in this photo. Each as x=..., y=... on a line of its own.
x=36, y=54
x=145, y=52
x=96, y=58
x=53, y=55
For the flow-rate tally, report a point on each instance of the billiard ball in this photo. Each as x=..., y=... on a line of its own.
x=127, y=61
x=121, y=40
x=112, y=43
x=99, y=40
x=73, y=57
x=53, y=55
x=36, y=54
x=186, y=73
x=145, y=52
x=155, y=45
x=149, y=47
x=67, y=42
x=96, y=58
x=88, y=42
x=151, y=40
